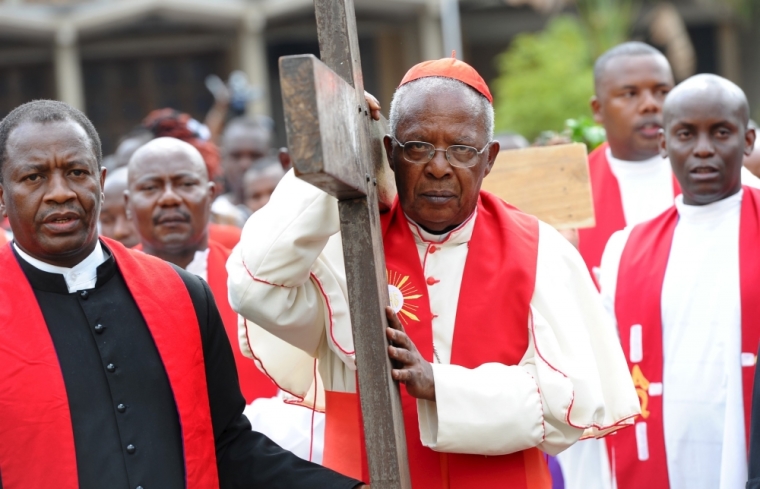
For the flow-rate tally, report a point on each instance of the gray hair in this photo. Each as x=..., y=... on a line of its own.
x=439, y=84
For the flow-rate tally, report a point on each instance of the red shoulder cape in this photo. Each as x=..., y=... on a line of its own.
x=36, y=437
x=253, y=383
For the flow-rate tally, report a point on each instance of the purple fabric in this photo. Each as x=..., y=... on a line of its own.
x=558, y=482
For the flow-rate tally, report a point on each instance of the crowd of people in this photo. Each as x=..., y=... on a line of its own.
x=176, y=314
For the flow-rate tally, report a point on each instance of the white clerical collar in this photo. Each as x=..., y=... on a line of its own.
x=643, y=166
x=199, y=265
x=716, y=210
x=82, y=276
x=459, y=235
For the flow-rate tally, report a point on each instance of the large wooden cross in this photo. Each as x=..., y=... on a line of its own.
x=333, y=146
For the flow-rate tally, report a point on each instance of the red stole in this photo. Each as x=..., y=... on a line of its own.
x=36, y=437
x=224, y=234
x=253, y=383
x=639, y=316
x=608, y=209
x=501, y=260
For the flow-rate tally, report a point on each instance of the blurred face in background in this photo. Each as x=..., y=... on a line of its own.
x=628, y=103
x=258, y=185
x=114, y=222
x=242, y=147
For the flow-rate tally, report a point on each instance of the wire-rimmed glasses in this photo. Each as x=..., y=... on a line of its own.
x=459, y=155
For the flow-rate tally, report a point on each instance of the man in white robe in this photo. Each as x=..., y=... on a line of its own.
x=287, y=279
x=696, y=397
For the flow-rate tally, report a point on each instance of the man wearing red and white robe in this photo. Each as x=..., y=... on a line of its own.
x=506, y=354
x=682, y=289
x=630, y=181
x=169, y=198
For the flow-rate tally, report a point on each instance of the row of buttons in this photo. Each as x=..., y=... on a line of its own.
x=122, y=408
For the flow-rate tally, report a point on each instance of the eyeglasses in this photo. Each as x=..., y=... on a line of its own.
x=459, y=155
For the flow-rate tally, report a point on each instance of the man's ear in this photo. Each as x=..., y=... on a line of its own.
x=663, y=142
x=212, y=191
x=596, y=109
x=126, y=204
x=493, y=152
x=749, y=141
x=103, y=171
x=3, y=212
x=388, y=143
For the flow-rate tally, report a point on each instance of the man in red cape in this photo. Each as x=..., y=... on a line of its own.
x=169, y=197
x=682, y=289
x=504, y=354
x=630, y=181
x=116, y=370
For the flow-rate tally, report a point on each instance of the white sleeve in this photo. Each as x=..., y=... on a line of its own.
x=557, y=392
x=608, y=273
x=287, y=280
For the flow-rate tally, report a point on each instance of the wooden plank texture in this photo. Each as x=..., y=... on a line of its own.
x=550, y=182
x=364, y=257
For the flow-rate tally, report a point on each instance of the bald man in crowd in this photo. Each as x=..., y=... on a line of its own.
x=478, y=286
x=169, y=197
x=682, y=289
x=114, y=222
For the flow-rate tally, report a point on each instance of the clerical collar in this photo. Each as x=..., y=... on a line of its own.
x=716, y=210
x=199, y=265
x=82, y=276
x=458, y=235
x=635, y=166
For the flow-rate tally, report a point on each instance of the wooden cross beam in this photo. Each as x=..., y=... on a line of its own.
x=333, y=147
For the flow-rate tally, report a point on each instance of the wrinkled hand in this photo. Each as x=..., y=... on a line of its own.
x=414, y=371
x=373, y=104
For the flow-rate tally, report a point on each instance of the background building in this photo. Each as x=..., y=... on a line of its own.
x=120, y=59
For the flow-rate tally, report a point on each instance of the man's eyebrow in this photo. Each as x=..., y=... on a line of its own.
x=39, y=167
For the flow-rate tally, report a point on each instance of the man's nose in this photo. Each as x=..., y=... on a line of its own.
x=169, y=196
x=704, y=147
x=438, y=167
x=649, y=103
x=59, y=190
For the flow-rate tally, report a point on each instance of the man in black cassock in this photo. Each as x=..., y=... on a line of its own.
x=115, y=369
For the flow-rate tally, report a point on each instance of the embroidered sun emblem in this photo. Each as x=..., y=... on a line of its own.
x=403, y=296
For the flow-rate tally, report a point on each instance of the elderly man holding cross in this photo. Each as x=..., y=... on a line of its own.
x=497, y=331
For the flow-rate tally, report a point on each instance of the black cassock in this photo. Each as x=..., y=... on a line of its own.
x=754, y=436
x=125, y=421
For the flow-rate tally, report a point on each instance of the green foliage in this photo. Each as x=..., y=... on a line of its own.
x=585, y=130
x=545, y=78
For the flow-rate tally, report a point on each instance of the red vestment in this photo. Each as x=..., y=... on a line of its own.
x=36, y=435
x=637, y=304
x=224, y=234
x=608, y=209
x=490, y=326
x=253, y=383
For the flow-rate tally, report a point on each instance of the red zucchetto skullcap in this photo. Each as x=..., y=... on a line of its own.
x=449, y=68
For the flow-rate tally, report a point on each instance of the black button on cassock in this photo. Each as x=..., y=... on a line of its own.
x=139, y=487
x=99, y=328
x=84, y=294
x=121, y=408
x=111, y=367
x=131, y=449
